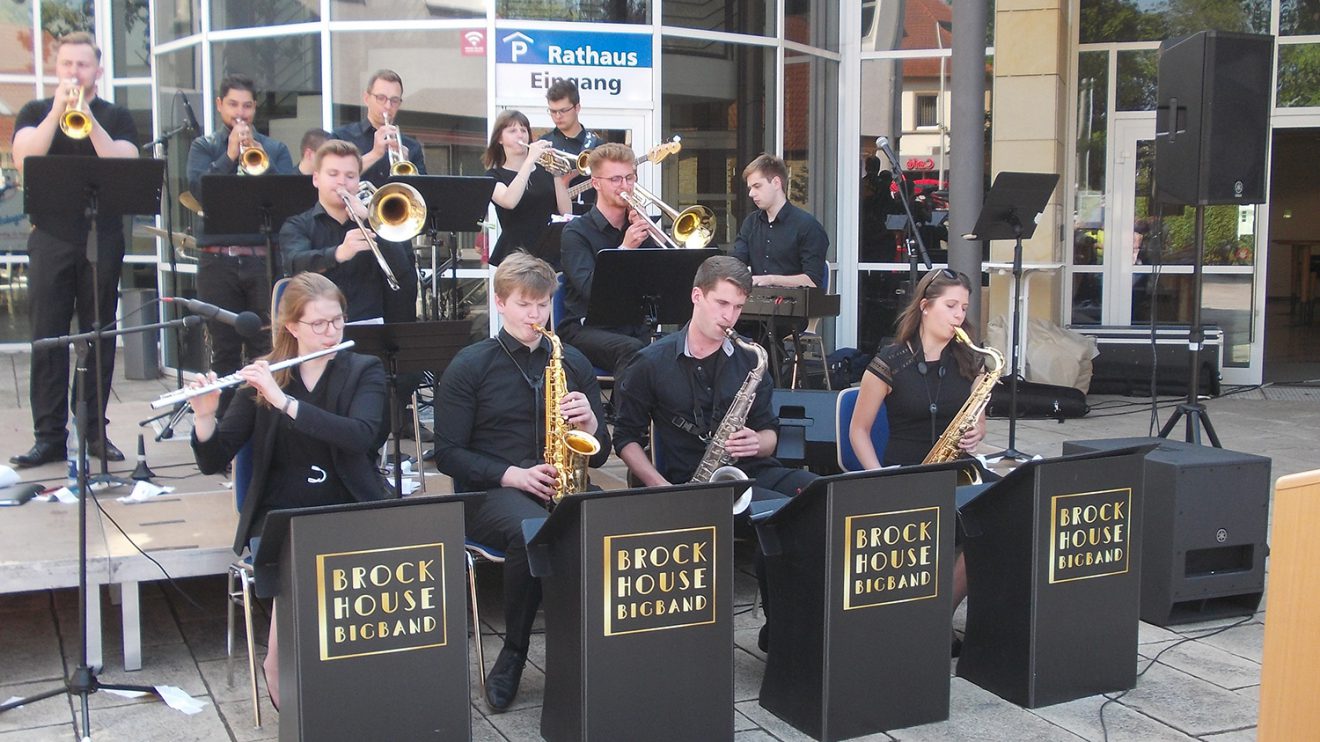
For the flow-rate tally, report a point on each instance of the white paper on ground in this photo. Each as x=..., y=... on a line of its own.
x=179, y=700
x=10, y=700
x=125, y=693
x=143, y=491
x=8, y=476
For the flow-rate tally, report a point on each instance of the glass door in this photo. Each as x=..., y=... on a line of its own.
x=1146, y=272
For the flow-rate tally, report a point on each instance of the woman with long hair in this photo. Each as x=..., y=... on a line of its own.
x=922, y=380
x=525, y=196
x=314, y=427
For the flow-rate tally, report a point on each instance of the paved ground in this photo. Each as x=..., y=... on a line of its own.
x=1203, y=683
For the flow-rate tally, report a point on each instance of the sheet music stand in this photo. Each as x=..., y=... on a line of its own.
x=69, y=188
x=1013, y=196
x=407, y=347
x=248, y=204
x=454, y=203
x=650, y=286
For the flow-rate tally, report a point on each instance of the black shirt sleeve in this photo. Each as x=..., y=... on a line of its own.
x=457, y=399
x=815, y=244
x=634, y=398
x=741, y=250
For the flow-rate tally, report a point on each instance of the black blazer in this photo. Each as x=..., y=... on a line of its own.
x=352, y=427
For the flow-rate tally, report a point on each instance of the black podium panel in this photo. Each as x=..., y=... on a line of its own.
x=1053, y=564
x=372, y=622
x=1206, y=522
x=860, y=567
x=638, y=598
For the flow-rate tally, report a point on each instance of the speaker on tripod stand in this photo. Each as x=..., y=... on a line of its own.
x=1211, y=138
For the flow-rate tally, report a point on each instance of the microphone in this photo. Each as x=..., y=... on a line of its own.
x=246, y=324
x=192, y=117
x=882, y=144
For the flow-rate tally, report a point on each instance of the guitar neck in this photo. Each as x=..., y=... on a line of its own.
x=585, y=185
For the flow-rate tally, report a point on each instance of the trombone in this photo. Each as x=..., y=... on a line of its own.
x=693, y=227
x=253, y=160
x=395, y=211
x=399, y=165
x=76, y=123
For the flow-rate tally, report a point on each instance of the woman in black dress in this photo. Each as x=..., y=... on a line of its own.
x=525, y=196
x=922, y=380
x=314, y=428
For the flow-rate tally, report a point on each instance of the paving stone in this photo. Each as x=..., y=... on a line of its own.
x=1082, y=717
x=227, y=680
x=61, y=733
x=47, y=712
x=1187, y=703
x=518, y=724
x=483, y=730
x=781, y=729
x=147, y=721
x=237, y=716
x=1208, y=662
x=1239, y=735
x=1244, y=641
x=975, y=713
x=747, y=673
x=32, y=653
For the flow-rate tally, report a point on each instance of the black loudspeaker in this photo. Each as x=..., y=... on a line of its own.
x=1203, y=543
x=1213, y=118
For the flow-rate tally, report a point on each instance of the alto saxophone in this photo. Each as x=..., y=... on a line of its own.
x=566, y=448
x=716, y=463
x=946, y=448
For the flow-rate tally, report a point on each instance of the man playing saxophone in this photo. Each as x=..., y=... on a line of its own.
x=685, y=382
x=494, y=439
x=232, y=271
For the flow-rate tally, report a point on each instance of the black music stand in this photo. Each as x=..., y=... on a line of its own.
x=647, y=286
x=407, y=347
x=1013, y=196
x=248, y=204
x=49, y=183
x=454, y=203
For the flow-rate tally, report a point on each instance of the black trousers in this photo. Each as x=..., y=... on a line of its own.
x=60, y=285
x=607, y=349
x=239, y=284
x=496, y=521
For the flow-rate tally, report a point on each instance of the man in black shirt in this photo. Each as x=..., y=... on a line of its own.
x=312, y=140
x=610, y=224
x=492, y=400
x=60, y=276
x=325, y=239
x=232, y=272
x=782, y=244
x=564, y=104
x=375, y=135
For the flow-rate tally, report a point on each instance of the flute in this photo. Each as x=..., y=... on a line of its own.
x=183, y=395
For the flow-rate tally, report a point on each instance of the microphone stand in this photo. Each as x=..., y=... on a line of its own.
x=911, y=234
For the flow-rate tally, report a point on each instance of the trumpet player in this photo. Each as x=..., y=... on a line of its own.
x=610, y=224
x=60, y=276
x=325, y=239
x=525, y=195
x=232, y=270
x=494, y=436
x=378, y=133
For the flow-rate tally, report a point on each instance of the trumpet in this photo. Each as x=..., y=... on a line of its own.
x=395, y=211
x=399, y=165
x=693, y=227
x=253, y=160
x=76, y=123
x=557, y=162
x=183, y=395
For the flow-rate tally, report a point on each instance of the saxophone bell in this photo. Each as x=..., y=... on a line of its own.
x=567, y=449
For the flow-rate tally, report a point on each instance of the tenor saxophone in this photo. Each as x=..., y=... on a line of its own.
x=946, y=448
x=567, y=449
x=716, y=463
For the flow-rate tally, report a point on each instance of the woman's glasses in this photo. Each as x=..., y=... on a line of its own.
x=322, y=326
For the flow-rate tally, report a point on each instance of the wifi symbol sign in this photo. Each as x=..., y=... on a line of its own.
x=474, y=43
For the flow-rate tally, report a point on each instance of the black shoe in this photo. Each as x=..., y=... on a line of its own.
x=763, y=638
x=428, y=454
x=42, y=452
x=956, y=648
x=502, y=683
x=104, y=449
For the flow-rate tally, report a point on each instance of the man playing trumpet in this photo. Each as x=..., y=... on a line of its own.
x=60, y=276
x=232, y=270
x=377, y=134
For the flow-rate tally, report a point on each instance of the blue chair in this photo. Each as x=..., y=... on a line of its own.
x=242, y=578
x=847, y=402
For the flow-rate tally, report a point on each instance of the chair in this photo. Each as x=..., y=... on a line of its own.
x=847, y=402
x=242, y=578
x=475, y=551
x=811, y=336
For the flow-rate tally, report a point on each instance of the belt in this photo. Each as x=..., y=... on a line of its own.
x=235, y=251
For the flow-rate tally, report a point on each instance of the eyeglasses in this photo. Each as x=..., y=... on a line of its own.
x=322, y=326
x=383, y=99
x=618, y=180
x=561, y=111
